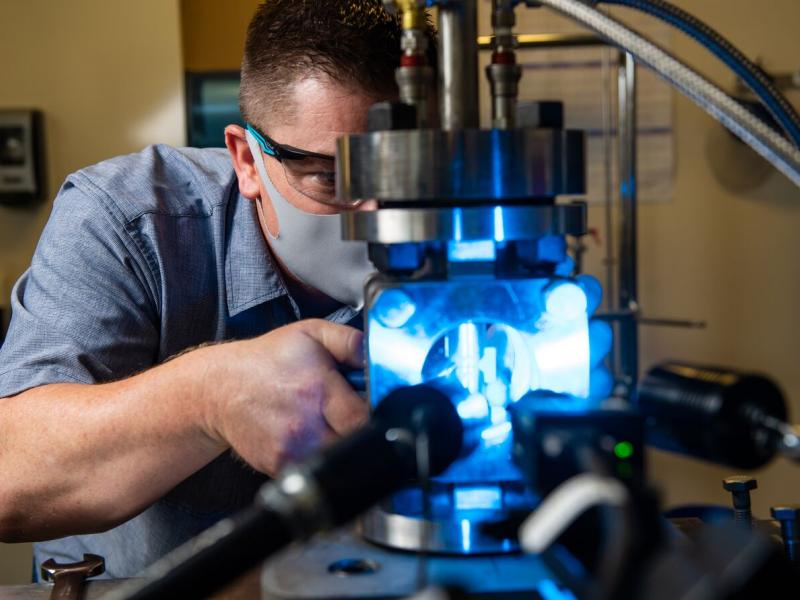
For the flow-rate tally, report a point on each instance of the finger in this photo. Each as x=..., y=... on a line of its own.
x=344, y=343
x=594, y=292
x=306, y=432
x=601, y=338
x=601, y=383
x=329, y=437
x=324, y=436
x=343, y=409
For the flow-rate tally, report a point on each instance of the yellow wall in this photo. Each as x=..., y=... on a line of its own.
x=108, y=76
x=214, y=32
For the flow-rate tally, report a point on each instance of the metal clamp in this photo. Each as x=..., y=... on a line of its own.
x=497, y=223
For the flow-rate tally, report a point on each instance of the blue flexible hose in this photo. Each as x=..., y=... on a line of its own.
x=753, y=76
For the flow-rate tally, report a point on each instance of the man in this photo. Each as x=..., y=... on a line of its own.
x=116, y=414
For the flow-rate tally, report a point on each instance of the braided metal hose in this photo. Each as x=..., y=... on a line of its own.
x=752, y=75
x=752, y=130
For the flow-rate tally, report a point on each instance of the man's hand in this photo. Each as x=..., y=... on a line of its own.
x=272, y=399
x=601, y=336
x=276, y=398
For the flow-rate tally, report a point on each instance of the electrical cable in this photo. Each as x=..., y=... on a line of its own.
x=615, y=526
x=562, y=507
x=752, y=75
x=565, y=504
x=328, y=490
x=753, y=131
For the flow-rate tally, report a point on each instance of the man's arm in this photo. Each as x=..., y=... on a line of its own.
x=77, y=458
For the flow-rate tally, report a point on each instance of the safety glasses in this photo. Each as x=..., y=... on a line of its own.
x=310, y=173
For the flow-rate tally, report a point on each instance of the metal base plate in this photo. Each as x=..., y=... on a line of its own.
x=304, y=572
x=448, y=537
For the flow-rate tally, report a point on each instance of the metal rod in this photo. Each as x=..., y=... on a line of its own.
x=624, y=315
x=608, y=189
x=458, y=65
x=628, y=350
x=661, y=322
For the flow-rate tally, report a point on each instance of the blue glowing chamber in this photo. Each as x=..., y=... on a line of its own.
x=486, y=343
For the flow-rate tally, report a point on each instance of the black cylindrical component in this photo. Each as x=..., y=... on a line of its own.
x=326, y=491
x=212, y=559
x=715, y=414
x=365, y=467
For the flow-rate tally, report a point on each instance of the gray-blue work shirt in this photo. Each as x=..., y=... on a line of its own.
x=144, y=256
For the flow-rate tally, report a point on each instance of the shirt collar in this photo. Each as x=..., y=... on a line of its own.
x=251, y=276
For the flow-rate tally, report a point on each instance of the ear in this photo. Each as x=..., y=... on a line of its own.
x=249, y=180
x=243, y=162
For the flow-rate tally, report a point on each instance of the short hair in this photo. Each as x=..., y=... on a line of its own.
x=354, y=42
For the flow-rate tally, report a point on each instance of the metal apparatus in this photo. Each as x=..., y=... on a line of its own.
x=467, y=238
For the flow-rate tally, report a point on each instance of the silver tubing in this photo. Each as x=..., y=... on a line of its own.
x=414, y=83
x=458, y=65
x=628, y=350
x=608, y=189
x=755, y=133
x=503, y=76
x=504, y=84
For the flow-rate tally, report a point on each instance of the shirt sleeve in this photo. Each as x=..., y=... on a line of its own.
x=86, y=310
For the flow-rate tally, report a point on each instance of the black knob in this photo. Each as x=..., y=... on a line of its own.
x=788, y=517
x=739, y=486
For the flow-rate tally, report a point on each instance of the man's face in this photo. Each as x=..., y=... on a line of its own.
x=322, y=110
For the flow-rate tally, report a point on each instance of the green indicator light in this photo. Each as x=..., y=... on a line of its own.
x=623, y=450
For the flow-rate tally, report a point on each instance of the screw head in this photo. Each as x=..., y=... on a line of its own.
x=739, y=483
x=790, y=512
x=91, y=566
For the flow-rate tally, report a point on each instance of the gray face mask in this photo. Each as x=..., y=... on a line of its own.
x=311, y=246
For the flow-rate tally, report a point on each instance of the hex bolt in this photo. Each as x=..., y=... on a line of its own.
x=739, y=486
x=788, y=517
